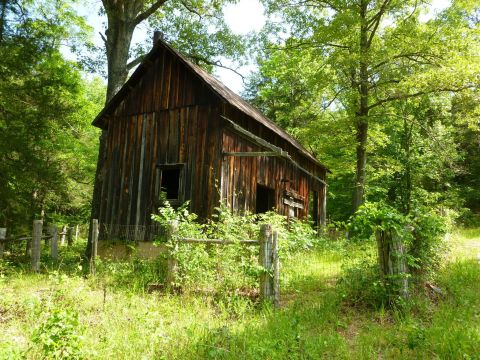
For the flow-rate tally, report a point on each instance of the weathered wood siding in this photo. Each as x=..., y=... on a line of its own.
x=240, y=175
x=172, y=117
x=168, y=118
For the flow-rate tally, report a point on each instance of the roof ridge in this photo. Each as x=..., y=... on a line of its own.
x=216, y=86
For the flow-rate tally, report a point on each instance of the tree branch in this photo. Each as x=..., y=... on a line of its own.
x=410, y=56
x=189, y=8
x=103, y=38
x=376, y=22
x=198, y=58
x=135, y=62
x=335, y=96
x=418, y=93
x=144, y=15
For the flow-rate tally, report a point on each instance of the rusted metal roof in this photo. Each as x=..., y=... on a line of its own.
x=214, y=84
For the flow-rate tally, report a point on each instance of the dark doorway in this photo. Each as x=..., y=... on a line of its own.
x=171, y=183
x=265, y=199
x=313, y=207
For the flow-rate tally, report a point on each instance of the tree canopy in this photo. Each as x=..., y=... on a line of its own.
x=352, y=78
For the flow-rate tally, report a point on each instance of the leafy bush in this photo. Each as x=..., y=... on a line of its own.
x=421, y=232
x=372, y=216
x=427, y=247
x=235, y=266
x=59, y=335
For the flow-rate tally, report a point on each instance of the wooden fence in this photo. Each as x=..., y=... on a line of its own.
x=268, y=258
x=34, y=243
x=268, y=252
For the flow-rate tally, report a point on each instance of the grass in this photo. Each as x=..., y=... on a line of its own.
x=119, y=320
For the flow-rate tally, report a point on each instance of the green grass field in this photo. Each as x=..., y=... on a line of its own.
x=60, y=313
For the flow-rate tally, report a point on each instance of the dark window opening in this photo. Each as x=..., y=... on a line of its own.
x=171, y=183
x=313, y=207
x=265, y=199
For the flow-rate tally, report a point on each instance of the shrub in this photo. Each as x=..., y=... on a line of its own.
x=234, y=266
x=59, y=335
x=421, y=232
x=427, y=246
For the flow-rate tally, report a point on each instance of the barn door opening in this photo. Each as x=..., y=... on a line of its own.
x=170, y=183
x=265, y=199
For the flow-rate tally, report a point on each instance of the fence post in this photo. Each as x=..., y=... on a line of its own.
x=172, y=229
x=266, y=278
x=53, y=232
x=76, y=233
x=276, y=270
x=391, y=259
x=63, y=234
x=36, y=244
x=3, y=236
x=94, y=246
x=69, y=236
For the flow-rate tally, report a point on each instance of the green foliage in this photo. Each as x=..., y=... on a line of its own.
x=373, y=216
x=133, y=274
x=422, y=140
x=360, y=285
x=235, y=266
x=47, y=144
x=422, y=233
x=316, y=320
x=59, y=335
x=428, y=246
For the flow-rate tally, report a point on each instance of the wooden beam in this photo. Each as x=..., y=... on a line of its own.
x=251, y=153
x=217, y=241
x=275, y=149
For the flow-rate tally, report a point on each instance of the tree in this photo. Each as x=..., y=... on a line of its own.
x=376, y=53
x=45, y=106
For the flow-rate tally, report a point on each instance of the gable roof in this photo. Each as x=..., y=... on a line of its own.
x=211, y=82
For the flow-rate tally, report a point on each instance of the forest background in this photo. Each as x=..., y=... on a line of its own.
x=385, y=93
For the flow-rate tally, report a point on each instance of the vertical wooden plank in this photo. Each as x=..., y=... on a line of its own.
x=123, y=173
x=172, y=229
x=159, y=81
x=322, y=220
x=276, y=269
x=109, y=174
x=36, y=244
x=135, y=169
x=167, y=82
x=140, y=174
x=53, y=232
x=265, y=260
x=192, y=143
x=129, y=171
x=63, y=235
x=163, y=136
x=181, y=125
x=150, y=173
x=94, y=246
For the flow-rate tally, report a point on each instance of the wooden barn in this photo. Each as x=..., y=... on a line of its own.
x=174, y=128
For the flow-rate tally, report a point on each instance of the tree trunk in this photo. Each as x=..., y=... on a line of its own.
x=360, y=178
x=119, y=36
x=361, y=118
x=3, y=13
